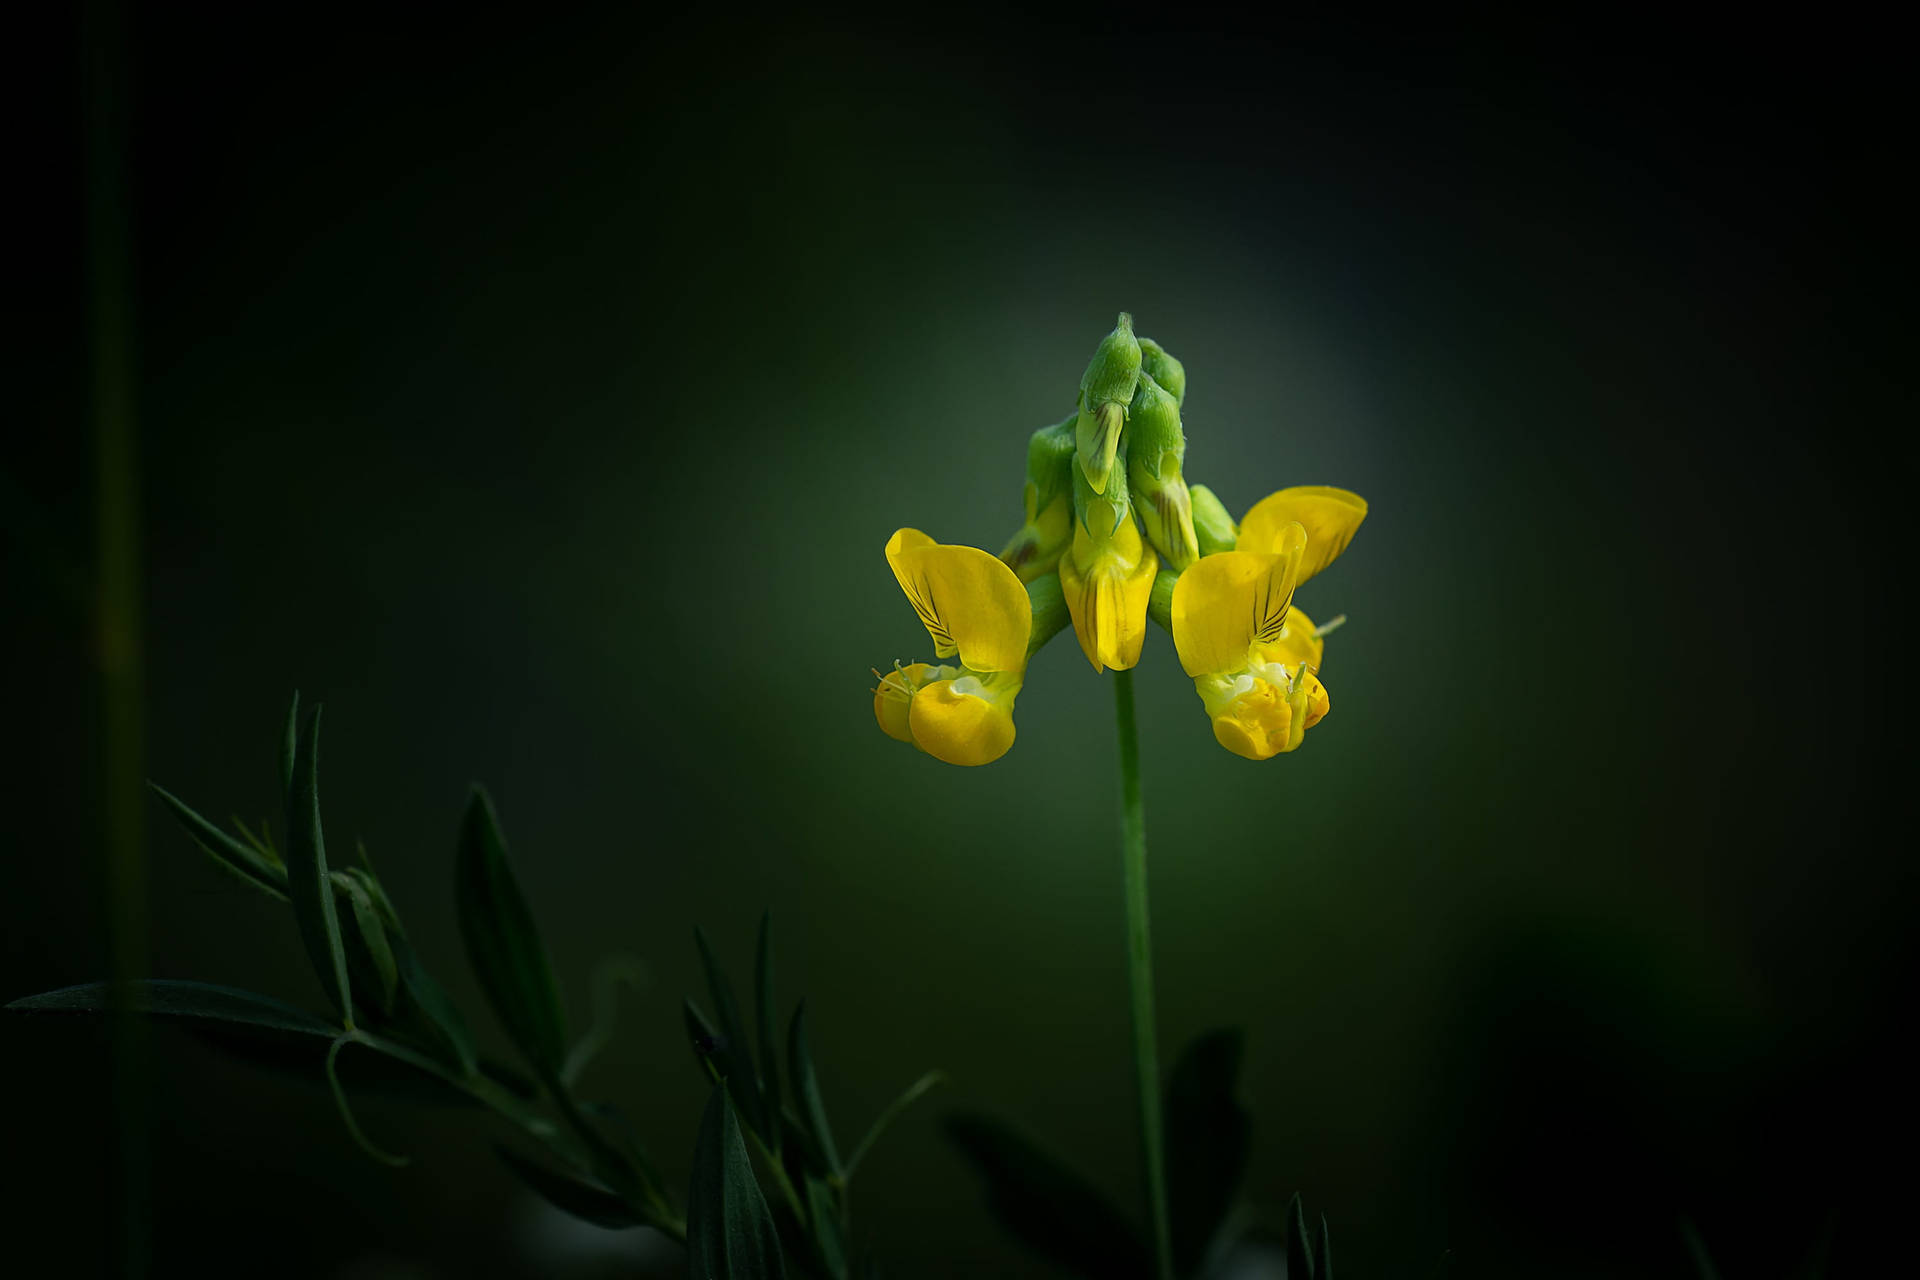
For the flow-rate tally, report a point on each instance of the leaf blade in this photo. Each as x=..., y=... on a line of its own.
x=806, y=1092
x=503, y=943
x=769, y=1047
x=233, y=855
x=743, y=1078
x=730, y=1233
x=308, y=885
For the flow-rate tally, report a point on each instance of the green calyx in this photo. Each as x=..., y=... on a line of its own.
x=1212, y=526
x=1106, y=389
x=1156, y=446
x=1164, y=369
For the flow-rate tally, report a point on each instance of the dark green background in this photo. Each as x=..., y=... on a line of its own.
x=540, y=393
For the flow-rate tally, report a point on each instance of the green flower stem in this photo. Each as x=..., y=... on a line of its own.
x=1146, y=1059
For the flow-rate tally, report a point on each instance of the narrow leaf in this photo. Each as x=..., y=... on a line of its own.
x=369, y=953
x=290, y=745
x=1325, y=1250
x=584, y=1200
x=806, y=1092
x=742, y=1077
x=1048, y=1206
x=907, y=1098
x=503, y=944
x=769, y=1047
x=828, y=1245
x=1299, y=1251
x=308, y=886
x=234, y=855
x=437, y=1014
x=730, y=1233
x=192, y=1001
x=1208, y=1138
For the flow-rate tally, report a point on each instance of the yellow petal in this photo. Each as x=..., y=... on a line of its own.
x=892, y=696
x=1252, y=717
x=962, y=727
x=1229, y=602
x=1330, y=516
x=1297, y=644
x=970, y=603
x=1107, y=589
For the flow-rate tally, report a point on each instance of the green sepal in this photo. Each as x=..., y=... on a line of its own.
x=1049, y=465
x=236, y=856
x=503, y=943
x=1106, y=389
x=309, y=886
x=730, y=1233
x=585, y=1200
x=1156, y=450
x=1050, y=614
x=1047, y=1205
x=1212, y=525
x=1209, y=1135
x=1164, y=369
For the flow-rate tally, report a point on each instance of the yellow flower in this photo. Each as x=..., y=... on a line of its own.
x=1254, y=659
x=1107, y=574
x=974, y=608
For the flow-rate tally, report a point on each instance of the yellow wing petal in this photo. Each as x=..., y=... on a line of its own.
x=1227, y=603
x=970, y=603
x=1330, y=516
x=1296, y=644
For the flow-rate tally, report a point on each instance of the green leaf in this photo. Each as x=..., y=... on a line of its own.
x=369, y=952
x=769, y=1047
x=1326, y=1250
x=585, y=1200
x=730, y=1233
x=743, y=1080
x=438, y=1017
x=308, y=886
x=1299, y=1250
x=828, y=1245
x=234, y=855
x=290, y=745
x=199, y=1002
x=503, y=944
x=1047, y=1205
x=907, y=1098
x=806, y=1092
x=1208, y=1137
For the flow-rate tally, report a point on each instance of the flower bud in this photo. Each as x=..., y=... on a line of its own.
x=1106, y=388
x=1155, y=449
x=1213, y=528
x=1035, y=549
x=1164, y=369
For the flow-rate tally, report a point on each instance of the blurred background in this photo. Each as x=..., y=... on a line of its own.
x=539, y=392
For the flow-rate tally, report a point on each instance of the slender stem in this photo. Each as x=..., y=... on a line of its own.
x=1146, y=1059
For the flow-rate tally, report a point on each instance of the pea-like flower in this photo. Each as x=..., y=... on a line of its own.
x=974, y=608
x=1107, y=574
x=1254, y=658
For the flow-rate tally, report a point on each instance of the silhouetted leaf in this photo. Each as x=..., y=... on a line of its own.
x=1325, y=1250
x=769, y=1047
x=503, y=944
x=369, y=953
x=1208, y=1136
x=308, y=886
x=569, y=1194
x=1048, y=1206
x=1299, y=1250
x=730, y=1234
x=233, y=855
x=438, y=1018
x=743, y=1080
x=806, y=1092
x=828, y=1245
x=289, y=746
x=191, y=1001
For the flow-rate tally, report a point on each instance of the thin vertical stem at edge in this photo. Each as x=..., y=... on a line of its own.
x=1146, y=1057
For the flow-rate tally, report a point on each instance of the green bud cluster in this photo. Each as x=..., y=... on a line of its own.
x=1106, y=389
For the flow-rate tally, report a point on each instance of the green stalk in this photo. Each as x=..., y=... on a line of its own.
x=1146, y=1058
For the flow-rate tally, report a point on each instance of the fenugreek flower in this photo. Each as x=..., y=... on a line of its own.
x=975, y=609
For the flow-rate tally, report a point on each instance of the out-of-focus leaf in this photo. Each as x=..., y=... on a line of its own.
x=806, y=1092
x=908, y=1096
x=290, y=745
x=1208, y=1137
x=769, y=1047
x=1325, y=1250
x=730, y=1233
x=191, y=1001
x=233, y=855
x=743, y=1079
x=503, y=943
x=369, y=953
x=1047, y=1205
x=827, y=1242
x=1299, y=1250
x=438, y=1017
x=309, y=887
x=584, y=1200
